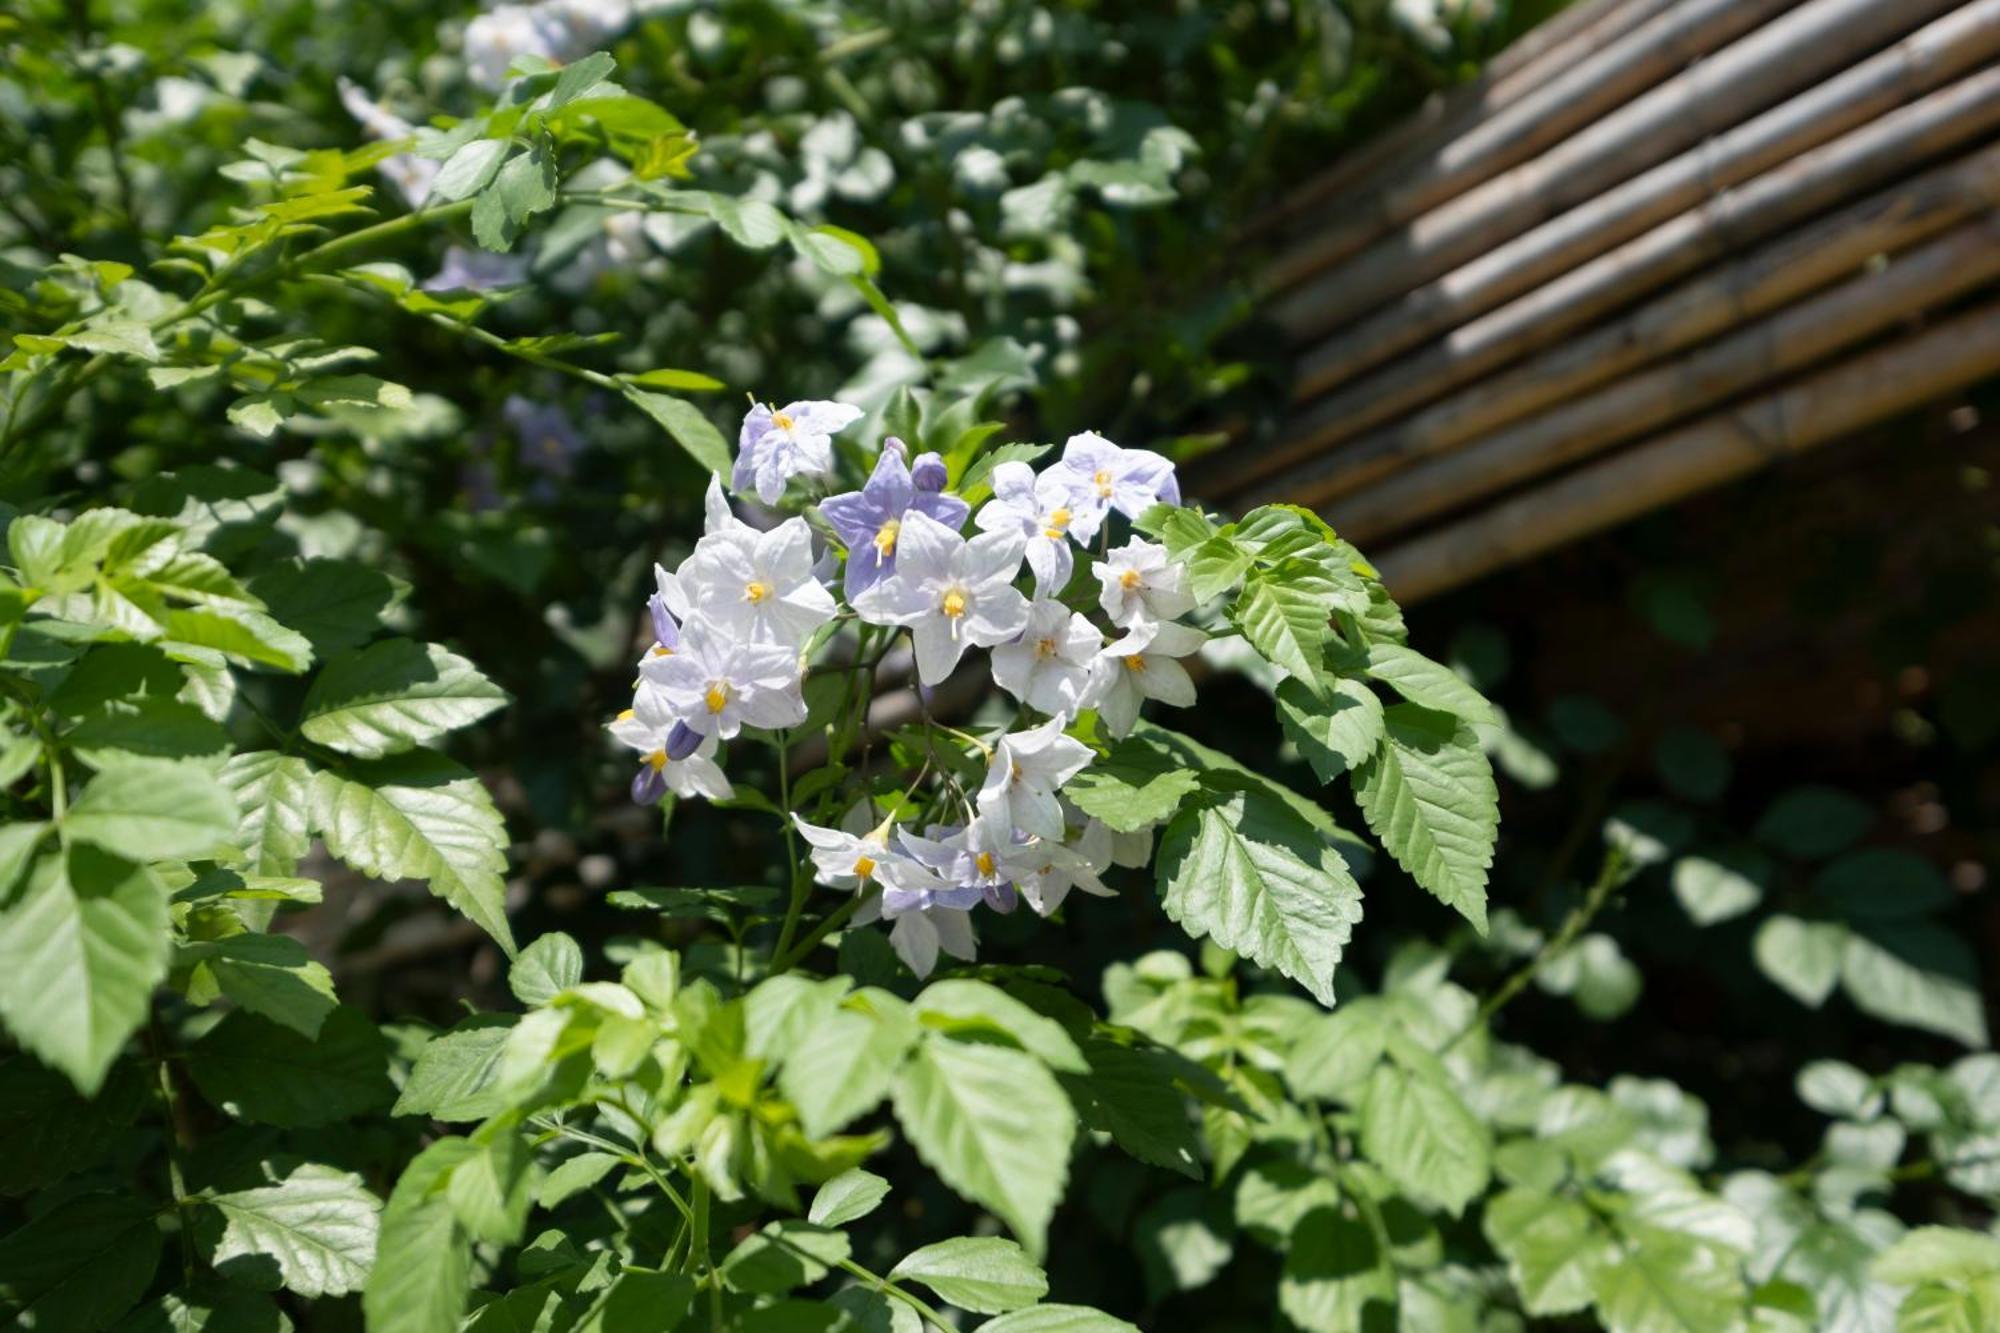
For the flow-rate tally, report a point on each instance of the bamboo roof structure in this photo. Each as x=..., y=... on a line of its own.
x=1658, y=245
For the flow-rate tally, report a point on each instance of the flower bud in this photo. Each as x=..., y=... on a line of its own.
x=928, y=473
x=1002, y=898
x=665, y=631
x=682, y=741
x=649, y=784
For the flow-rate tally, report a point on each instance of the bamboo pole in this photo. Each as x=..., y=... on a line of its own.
x=1793, y=52
x=1563, y=42
x=1760, y=354
x=1859, y=392
x=1780, y=272
x=1558, y=105
x=1809, y=184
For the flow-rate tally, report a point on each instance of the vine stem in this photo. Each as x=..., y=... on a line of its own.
x=909, y=1298
x=1580, y=917
x=784, y=962
x=800, y=885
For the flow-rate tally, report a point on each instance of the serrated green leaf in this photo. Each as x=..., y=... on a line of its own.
x=1663, y=1282
x=80, y=1265
x=1915, y=973
x=1131, y=1094
x=1553, y=1246
x=960, y=1004
x=1428, y=684
x=244, y=636
x=423, y=1263
x=1417, y=1128
x=1429, y=795
x=1336, y=1276
x=272, y=975
x=986, y=1275
x=419, y=816
x=81, y=947
x=1247, y=872
x=273, y=793
x=456, y=1075
x=393, y=695
x=783, y=1256
x=128, y=809
x=493, y=1186
x=1057, y=1319
x=845, y=1066
x=313, y=1231
x=848, y=1197
x=993, y=1124
x=336, y=604
x=1285, y=623
x=1335, y=732
x=688, y=427
x=469, y=170
x=269, y=1074
x=1138, y=784
x=148, y=728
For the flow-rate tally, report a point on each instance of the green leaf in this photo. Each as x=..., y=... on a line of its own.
x=1836, y=1088
x=423, y=1263
x=1418, y=1130
x=272, y=975
x=1215, y=566
x=961, y=1004
x=1247, y=872
x=130, y=810
x=335, y=604
x=1882, y=883
x=493, y=1187
x=1335, y=733
x=1665, y=1282
x=1130, y=1093
x=993, y=1124
x=1336, y=1277
x=525, y=186
x=393, y=695
x=147, y=728
x=469, y=170
x=456, y=1073
x=1138, y=784
x=208, y=1309
x=1814, y=822
x=1553, y=1247
x=1692, y=763
x=640, y=1302
x=574, y=1175
x=260, y=1071
x=247, y=637
x=845, y=1066
x=1429, y=795
x=273, y=792
x=779, y=1012
x=690, y=429
x=578, y=78
x=848, y=1197
x=420, y=816
x=669, y=378
x=551, y=964
x=1428, y=684
x=986, y=1275
x=314, y=1231
x=1803, y=957
x=1918, y=974
x=81, y=949
x=1334, y=1055
x=1937, y=1254
x=80, y=1265
x=783, y=1256
x=1057, y=1319
x=1285, y=623
x=1720, y=886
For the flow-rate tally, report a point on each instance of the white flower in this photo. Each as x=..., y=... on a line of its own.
x=1050, y=666
x=716, y=684
x=776, y=445
x=1100, y=476
x=920, y=933
x=1142, y=666
x=650, y=727
x=411, y=175
x=1027, y=770
x=1049, y=870
x=971, y=863
x=1042, y=509
x=950, y=592
x=850, y=861
x=495, y=38
x=758, y=586
x=718, y=519
x=1141, y=585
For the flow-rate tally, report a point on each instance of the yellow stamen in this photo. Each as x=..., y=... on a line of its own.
x=626, y=716
x=985, y=862
x=885, y=537
x=863, y=867
x=1135, y=663
x=1058, y=524
x=1103, y=480
x=781, y=421
x=1016, y=773
x=953, y=604
x=1129, y=580
x=1045, y=648
x=661, y=650
x=717, y=698
x=756, y=590
x=658, y=759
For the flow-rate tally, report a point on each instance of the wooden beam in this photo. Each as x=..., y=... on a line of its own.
x=1756, y=355
x=1793, y=52
x=1559, y=105
x=1859, y=392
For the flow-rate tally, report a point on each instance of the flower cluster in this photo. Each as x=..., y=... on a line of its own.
x=735, y=627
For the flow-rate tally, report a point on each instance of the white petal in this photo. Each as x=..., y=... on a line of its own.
x=916, y=942
x=938, y=649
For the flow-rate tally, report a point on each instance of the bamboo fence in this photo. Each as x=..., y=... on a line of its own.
x=1652, y=229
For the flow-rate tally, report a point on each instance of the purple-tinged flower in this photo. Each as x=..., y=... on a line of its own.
x=928, y=472
x=1100, y=475
x=667, y=761
x=870, y=520
x=466, y=270
x=951, y=594
x=777, y=444
x=549, y=440
x=1046, y=513
x=977, y=863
